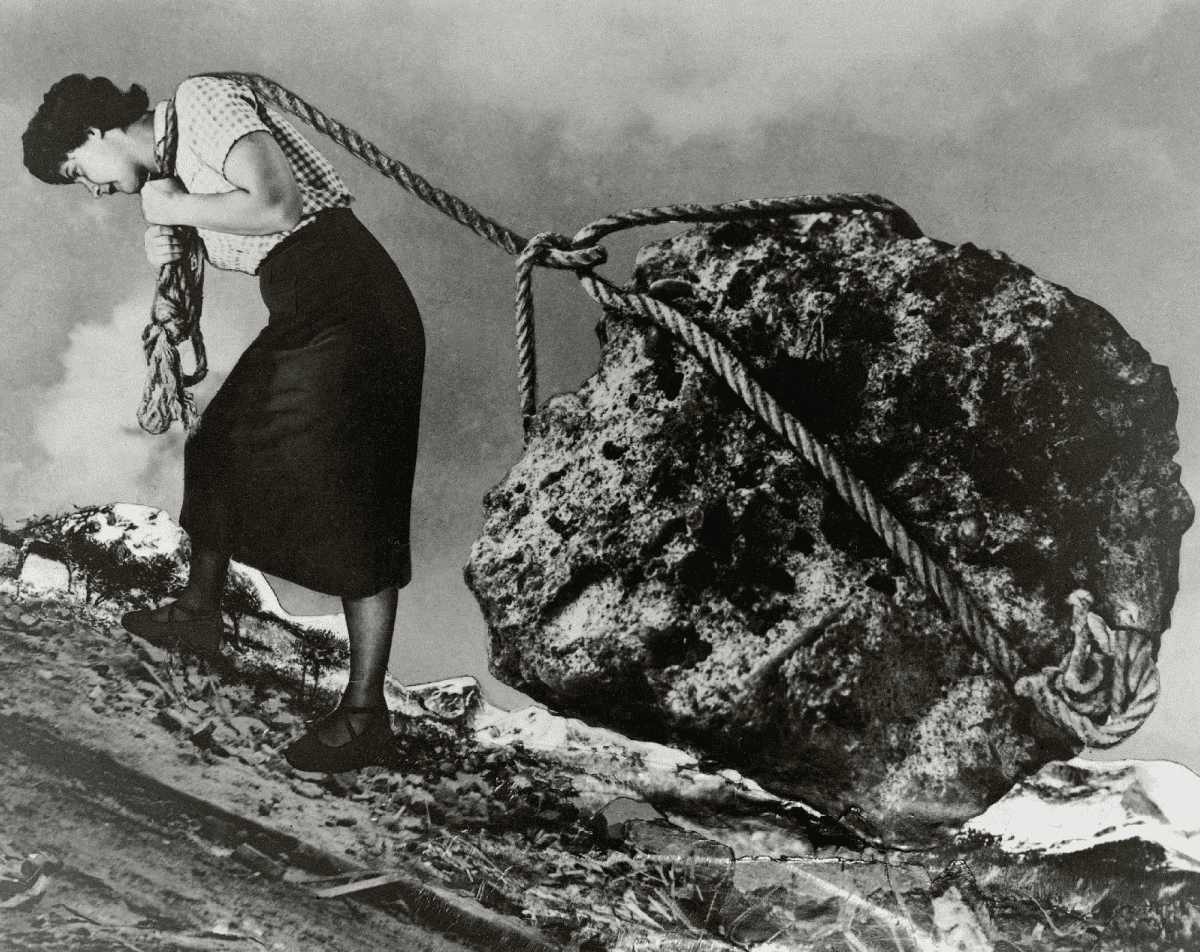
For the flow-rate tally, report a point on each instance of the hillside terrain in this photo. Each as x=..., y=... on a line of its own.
x=148, y=807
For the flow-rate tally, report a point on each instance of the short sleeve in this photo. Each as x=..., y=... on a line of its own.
x=213, y=114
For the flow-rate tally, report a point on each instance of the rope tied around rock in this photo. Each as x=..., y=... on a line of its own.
x=548, y=250
x=1098, y=712
x=1104, y=688
x=1109, y=676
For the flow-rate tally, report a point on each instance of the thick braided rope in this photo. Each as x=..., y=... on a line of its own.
x=581, y=254
x=1052, y=691
x=174, y=318
x=545, y=250
x=270, y=91
x=752, y=208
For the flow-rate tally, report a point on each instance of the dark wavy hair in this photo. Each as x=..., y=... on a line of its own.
x=74, y=105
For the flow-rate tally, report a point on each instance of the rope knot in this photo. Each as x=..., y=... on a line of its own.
x=1106, y=685
x=552, y=250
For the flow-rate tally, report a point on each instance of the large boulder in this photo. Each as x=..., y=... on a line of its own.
x=660, y=562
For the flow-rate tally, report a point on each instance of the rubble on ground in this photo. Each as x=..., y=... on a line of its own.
x=597, y=841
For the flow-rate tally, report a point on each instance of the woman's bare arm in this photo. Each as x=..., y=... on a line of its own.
x=265, y=201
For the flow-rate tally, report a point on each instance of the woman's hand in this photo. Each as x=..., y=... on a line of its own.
x=162, y=247
x=159, y=201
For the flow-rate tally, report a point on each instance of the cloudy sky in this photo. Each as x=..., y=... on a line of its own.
x=1064, y=133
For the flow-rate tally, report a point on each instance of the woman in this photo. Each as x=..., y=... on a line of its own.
x=302, y=464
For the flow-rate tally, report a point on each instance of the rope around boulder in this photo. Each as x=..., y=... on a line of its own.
x=1105, y=687
x=1099, y=711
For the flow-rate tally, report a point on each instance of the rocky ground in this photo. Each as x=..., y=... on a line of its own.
x=146, y=807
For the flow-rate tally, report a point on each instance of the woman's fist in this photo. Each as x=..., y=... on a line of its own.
x=162, y=247
x=159, y=199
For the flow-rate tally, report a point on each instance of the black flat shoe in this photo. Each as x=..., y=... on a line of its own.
x=200, y=634
x=373, y=745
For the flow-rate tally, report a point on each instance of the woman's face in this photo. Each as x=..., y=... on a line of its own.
x=102, y=166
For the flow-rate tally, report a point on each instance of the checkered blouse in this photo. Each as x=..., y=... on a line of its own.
x=213, y=115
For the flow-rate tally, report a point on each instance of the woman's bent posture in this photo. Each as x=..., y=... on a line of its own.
x=302, y=464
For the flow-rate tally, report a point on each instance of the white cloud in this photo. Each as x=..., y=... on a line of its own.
x=88, y=425
x=92, y=450
x=716, y=66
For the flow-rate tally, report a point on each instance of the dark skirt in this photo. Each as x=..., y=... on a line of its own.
x=302, y=464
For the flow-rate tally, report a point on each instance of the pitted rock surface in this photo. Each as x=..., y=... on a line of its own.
x=660, y=562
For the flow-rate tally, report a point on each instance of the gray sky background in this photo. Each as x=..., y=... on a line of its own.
x=1064, y=133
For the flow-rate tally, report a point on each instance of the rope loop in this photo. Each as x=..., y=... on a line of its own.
x=174, y=318
x=551, y=250
x=1106, y=685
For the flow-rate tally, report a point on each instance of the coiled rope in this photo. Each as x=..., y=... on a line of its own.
x=174, y=317
x=1105, y=687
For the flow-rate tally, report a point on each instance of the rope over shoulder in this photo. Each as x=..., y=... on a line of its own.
x=1100, y=693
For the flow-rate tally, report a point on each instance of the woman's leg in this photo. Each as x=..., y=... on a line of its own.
x=369, y=622
x=204, y=590
x=193, y=621
x=206, y=582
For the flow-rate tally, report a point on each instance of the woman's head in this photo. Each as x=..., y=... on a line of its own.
x=72, y=108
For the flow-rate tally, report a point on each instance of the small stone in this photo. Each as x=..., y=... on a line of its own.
x=306, y=789
x=608, y=824
x=248, y=856
x=246, y=725
x=45, y=574
x=173, y=721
